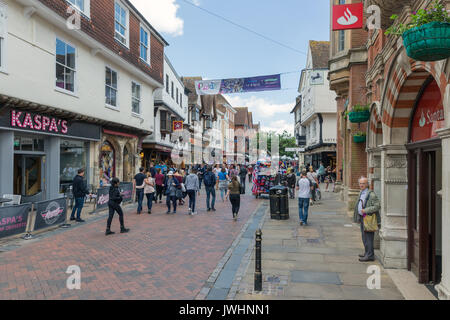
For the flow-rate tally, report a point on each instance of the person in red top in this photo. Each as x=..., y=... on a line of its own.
x=250, y=173
x=159, y=181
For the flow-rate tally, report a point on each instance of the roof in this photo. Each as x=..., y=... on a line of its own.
x=241, y=117
x=189, y=83
x=320, y=53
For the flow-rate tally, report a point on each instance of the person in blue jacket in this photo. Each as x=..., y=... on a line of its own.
x=172, y=186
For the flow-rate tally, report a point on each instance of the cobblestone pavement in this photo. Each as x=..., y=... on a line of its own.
x=163, y=257
x=318, y=261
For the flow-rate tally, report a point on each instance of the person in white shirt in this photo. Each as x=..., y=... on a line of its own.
x=304, y=193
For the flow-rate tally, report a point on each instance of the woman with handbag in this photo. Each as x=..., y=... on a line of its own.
x=312, y=176
x=179, y=176
x=149, y=191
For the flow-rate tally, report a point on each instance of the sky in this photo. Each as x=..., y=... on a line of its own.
x=204, y=45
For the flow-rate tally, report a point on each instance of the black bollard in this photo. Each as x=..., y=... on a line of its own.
x=258, y=274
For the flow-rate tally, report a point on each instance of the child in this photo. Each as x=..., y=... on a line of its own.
x=115, y=198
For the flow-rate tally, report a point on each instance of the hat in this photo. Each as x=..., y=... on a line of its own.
x=170, y=173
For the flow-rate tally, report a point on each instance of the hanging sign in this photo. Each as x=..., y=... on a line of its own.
x=177, y=125
x=238, y=85
x=348, y=16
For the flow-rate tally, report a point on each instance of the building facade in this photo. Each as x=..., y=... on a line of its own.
x=317, y=120
x=171, y=104
x=88, y=101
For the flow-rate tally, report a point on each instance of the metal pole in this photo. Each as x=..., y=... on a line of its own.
x=65, y=224
x=258, y=274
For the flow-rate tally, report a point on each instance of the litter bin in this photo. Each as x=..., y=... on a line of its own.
x=279, y=203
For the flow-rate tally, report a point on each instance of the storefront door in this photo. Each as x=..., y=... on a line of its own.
x=28, y=174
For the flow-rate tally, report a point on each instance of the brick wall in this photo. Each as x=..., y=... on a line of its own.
x=100, y=27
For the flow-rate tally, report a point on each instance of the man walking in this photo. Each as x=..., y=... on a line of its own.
x=242, y=176
x=304, y=191
x=368, y=204
x=209, y=179
x=138, y=185
x=321, y=172
x=80, y=192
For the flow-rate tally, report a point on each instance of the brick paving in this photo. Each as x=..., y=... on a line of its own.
x=163, y=256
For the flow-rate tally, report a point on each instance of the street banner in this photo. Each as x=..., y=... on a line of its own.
x=102, y=198
x=50, y=213
x=177, y=125
x=294, y=150
x=348, y=16
x=13, y=219
x=126, y=188
x=239, y=85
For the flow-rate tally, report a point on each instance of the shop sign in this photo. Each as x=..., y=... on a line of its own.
x=50, y=213
x=13, y=219
x=348, y=16
x=177, y=125
x=429, y=115
x=39, y=123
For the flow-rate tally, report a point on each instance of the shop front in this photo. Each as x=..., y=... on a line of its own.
x=156, y=153
x=41, y=153
x=425, y=185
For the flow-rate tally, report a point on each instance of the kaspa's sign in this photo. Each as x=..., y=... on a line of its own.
x=348, y=16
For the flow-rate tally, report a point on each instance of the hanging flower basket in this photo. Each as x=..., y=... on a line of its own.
x=359, y=116
x=359, y=139
x=430, y=42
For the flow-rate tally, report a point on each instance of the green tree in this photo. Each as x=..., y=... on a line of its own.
x=285, y=139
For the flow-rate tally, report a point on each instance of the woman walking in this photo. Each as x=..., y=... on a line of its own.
x=172, y=185
x=234, y=194
x=223, y=183
x=159, y=181
x=179, y=175
x=192, y=187
x=313, y=178
x=149, y=191
x=115, y=198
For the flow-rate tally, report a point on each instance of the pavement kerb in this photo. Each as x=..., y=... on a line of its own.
x=215, y=274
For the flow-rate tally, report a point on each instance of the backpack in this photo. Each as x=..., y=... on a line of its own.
x=207, y=179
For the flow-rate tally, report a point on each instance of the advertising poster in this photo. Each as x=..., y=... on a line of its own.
x=50, y=213
x=13, y=219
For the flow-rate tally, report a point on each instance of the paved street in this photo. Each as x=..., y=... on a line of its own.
x=318, y=261
x=163, y=257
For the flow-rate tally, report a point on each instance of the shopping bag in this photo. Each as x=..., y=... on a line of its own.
x=370, y=223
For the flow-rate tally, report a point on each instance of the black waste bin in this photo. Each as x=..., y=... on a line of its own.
x=279, y=203
x=274, y=204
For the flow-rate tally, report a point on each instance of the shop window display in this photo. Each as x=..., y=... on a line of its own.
x=107, y=164
x=73, y=157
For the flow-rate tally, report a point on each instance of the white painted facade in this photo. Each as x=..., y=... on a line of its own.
x=30, y=67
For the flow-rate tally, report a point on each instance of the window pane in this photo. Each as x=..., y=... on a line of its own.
x=108, y=95
x=113, y=98
x=114, y=79
x=70, y=80
x=70, y=57
x=135, y=106
x=108, y=76
x=60, y=52
x=60, y=76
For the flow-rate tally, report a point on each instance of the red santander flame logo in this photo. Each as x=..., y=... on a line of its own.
x=348, y=16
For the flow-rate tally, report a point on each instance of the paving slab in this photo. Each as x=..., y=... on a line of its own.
x=315, y=277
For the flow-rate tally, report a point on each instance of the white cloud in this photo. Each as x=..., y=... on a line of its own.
x=262, y=108
x=279, y=126
x=162, y=14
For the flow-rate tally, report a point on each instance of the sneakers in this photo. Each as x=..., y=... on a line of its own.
x=168, y=212
x=301, y=223
x=149, y=212
x=108, y=232
x=124, y=230
x=72, y=219
x=213, y=209
x=208, y=210
x=190, y=211
x=79, y=220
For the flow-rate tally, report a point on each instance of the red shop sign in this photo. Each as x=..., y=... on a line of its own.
x=348, y=16
x=429, y=115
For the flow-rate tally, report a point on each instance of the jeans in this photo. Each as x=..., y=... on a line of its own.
x=159, y=192
x=235, y=200
x=210, y=191
x=79, y=203
x=140, y=198
x=112, y=209
x=242, y=178
x=192, y=195
x=367, y=238
x=200, y=183
x=223, y=192
x=303, y=206
x=150, y=200
x=172, y=199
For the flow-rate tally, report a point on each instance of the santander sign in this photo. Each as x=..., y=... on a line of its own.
x=348, y=16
